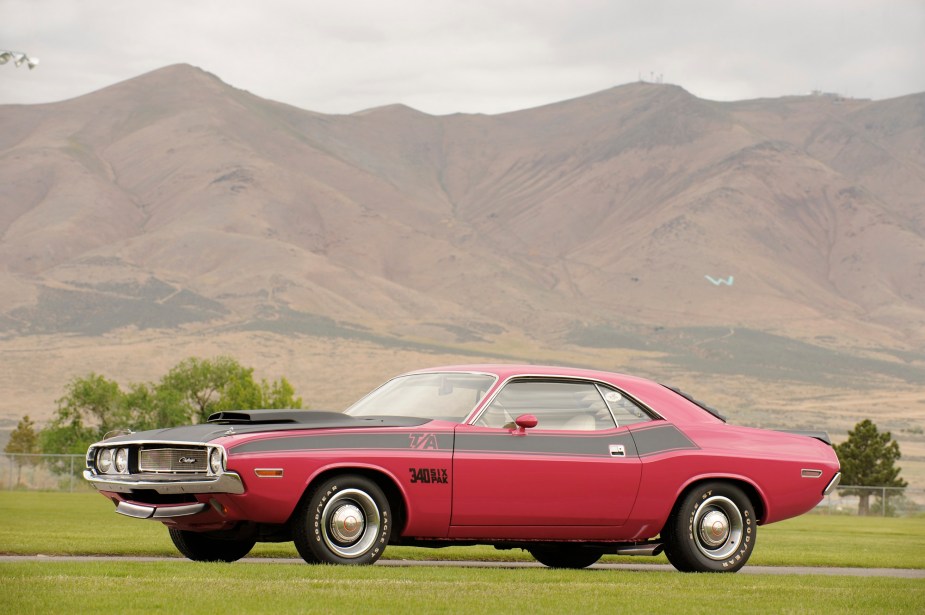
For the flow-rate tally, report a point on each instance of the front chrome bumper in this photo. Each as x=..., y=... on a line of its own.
x=139, y=511
x=228, y=482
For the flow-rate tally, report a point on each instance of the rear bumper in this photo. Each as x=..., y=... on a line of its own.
x=832, y=484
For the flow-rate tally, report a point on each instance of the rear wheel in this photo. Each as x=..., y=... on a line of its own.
x=713, y=530
x=210, y=546
x=566, y=556
x=345, y=520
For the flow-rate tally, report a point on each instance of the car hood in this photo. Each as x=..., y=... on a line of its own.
x=255, y=421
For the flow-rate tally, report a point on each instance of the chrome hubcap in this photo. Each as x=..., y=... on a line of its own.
x=714, y=528
x=350, y=523
x=719, y=527
x=347, y=523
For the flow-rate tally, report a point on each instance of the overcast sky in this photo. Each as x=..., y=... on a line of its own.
x=473, y=56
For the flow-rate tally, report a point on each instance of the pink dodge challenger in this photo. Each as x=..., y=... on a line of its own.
x=568, y=464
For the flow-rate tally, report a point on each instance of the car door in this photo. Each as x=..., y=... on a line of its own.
x=575, y=468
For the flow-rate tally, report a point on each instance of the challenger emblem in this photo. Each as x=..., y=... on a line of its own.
x=187, y=460
x=424, y=441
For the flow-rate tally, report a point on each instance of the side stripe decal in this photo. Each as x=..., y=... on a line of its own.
x=661, y=439
x=402, y=441
x=590, y=445
x=640, y=442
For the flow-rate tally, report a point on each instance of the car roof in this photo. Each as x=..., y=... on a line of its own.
x=658, y=397
x=504, y=371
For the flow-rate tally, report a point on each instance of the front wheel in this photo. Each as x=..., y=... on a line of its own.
x=713, y=530
x=210, y=546
x=566, y=556
x=345, y=520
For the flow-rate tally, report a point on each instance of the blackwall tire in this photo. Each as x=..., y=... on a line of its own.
x=566, y=556
x=345, y=520
x=209, y=547
x=713, y=529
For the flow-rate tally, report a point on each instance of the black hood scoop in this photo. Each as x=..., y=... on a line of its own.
x=311, y=418
x=272, y=417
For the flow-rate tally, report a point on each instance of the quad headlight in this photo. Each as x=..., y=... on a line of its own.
x=104, y=460
x=121, y=460
x=216, y=461
x=111, y=460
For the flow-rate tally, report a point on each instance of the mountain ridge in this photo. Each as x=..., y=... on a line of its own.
x=618, y=206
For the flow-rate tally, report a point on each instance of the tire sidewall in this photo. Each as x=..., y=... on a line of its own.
x=308, y=535
x=566, y=556
x=684, y=535
x=201, y=547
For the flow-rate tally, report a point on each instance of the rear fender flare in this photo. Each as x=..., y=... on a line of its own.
x=753, y=491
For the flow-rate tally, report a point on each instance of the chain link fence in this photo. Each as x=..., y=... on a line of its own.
x=42, y=472
x=38, y=472
x=874, y=501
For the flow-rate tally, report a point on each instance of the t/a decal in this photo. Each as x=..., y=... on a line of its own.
x=424, y=441
x=428, y=475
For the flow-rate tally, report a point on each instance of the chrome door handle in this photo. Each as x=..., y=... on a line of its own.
x=617, y=450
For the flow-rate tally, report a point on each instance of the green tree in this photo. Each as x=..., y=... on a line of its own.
x=868, y=459
x=152, y=407
x=207, y=386
x=279, y=394
x=247, y=394
x=193, y=389
x=201, y=383
x=91, y=407
x=24, y=440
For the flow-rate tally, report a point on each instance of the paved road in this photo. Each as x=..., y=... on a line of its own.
x=903, y=573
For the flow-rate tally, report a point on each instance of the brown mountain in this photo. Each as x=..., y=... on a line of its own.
x=780, y=237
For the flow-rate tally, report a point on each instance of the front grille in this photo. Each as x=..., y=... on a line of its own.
x=173, y=460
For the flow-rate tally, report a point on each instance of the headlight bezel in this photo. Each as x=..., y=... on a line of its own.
x=120, y=460
x=104, y=459
x=216, y=461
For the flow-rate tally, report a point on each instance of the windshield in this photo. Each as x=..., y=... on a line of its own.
x=442, y=396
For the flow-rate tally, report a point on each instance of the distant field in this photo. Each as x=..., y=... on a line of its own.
x=331, y=373
x=85, y=524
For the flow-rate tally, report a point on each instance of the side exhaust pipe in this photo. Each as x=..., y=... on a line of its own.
x=646, y=548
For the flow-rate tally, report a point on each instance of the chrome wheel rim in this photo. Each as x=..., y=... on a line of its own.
x=350, y=523
x=718, y=527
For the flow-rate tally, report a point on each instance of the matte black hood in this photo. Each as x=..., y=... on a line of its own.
x=254, y=421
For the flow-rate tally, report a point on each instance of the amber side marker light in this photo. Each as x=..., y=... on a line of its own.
x=269, y=472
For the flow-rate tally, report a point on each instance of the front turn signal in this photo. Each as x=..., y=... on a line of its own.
x=269, y=472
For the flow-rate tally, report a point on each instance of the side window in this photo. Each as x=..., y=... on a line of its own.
x=557, y=405
x=624, y=410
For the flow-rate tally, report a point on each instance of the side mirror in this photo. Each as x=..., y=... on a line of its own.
x=525, y=422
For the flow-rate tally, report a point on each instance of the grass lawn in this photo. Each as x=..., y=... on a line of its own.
x=85, y=524
x=187, y=587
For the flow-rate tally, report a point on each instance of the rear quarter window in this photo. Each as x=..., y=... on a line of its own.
x=625, y=411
